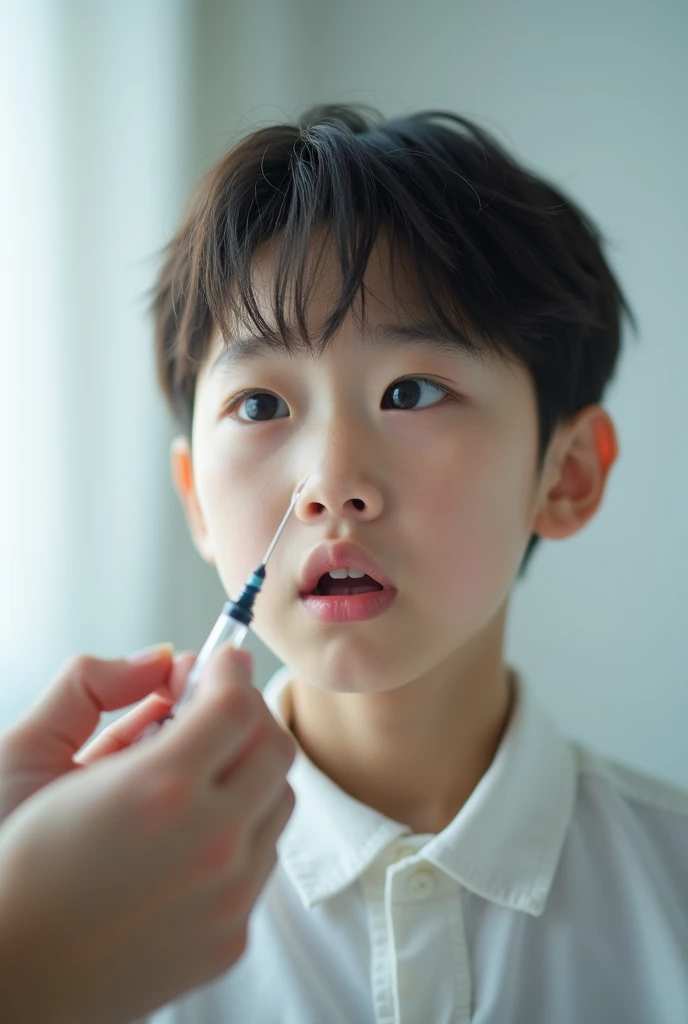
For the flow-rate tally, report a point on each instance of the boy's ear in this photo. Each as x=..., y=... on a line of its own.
x=184, y=485
x=575, y=480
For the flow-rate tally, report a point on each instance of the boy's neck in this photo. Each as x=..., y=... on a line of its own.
x=415, y=755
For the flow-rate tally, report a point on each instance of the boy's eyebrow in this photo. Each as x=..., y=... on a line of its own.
x=247, y=348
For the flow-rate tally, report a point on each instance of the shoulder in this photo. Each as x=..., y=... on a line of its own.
x=629, y=816
x=631, y=784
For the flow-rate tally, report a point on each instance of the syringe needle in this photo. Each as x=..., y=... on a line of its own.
x=294, y=499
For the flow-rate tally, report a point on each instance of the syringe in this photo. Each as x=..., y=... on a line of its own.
x=231, y=627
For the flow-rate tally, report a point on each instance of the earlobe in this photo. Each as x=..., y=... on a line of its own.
x=577, y=486
x=184, y=484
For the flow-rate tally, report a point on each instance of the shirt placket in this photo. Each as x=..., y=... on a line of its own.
x=419, y=958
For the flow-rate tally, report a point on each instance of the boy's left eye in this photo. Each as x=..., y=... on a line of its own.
x=407, y=390
x=404, y=395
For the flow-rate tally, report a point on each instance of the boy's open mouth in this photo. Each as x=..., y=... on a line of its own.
x=328, y=587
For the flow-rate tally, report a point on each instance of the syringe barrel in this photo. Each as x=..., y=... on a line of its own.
x=226, y=630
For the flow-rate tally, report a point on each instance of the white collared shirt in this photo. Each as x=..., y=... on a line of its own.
x=557, y=895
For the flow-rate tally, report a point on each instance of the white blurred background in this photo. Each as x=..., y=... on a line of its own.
x=109, y=115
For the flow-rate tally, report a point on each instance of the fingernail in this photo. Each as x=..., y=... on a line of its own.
x=151, y=653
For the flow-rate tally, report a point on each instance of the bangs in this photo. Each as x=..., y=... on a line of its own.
x=275, y=307
x=324, y=191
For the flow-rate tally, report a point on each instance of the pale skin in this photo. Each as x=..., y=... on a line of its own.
x=404, y=712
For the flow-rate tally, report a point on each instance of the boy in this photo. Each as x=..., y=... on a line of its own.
x=402, y=313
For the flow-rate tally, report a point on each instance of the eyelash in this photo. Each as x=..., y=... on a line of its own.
x=243, y=395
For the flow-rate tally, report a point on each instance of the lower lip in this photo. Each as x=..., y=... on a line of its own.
x=348, y=608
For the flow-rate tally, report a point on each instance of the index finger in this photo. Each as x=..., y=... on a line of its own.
x=66, y=714
x=122, y=732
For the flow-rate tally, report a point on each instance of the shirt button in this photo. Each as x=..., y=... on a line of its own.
x=421, y=884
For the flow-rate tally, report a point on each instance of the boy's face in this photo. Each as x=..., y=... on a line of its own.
x=447, y=490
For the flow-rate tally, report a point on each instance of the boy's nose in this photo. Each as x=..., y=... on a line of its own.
x=328, y=497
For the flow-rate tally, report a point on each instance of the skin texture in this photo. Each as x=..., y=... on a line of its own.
x=405, y=711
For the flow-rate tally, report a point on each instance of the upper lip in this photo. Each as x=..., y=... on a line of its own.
x=339, y=555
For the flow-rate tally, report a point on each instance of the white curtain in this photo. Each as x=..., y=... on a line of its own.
x=96, y=166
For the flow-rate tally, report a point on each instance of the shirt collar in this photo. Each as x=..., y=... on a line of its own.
x=503, y=845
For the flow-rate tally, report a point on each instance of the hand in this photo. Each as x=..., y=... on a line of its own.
x=44, y=745
x=130, y=882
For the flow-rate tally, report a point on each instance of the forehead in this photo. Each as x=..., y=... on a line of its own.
x=393, y=314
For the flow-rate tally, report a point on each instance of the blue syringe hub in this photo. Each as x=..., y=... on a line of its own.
x=242, y=608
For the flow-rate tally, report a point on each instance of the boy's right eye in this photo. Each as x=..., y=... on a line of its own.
x=260, y=405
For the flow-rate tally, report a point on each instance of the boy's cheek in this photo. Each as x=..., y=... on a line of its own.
x=471, y=547
x=238, y=546
x=239, y=527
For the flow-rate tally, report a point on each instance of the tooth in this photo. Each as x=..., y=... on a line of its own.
x=338, y=574
x=356, y=574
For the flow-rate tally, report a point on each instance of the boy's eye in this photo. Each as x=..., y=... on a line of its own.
x=260, y=405
x=404, y=394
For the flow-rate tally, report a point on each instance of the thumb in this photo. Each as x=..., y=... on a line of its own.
x=68, y=712
x=122, y=733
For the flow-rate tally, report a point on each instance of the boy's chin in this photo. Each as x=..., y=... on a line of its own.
x=350, y=674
